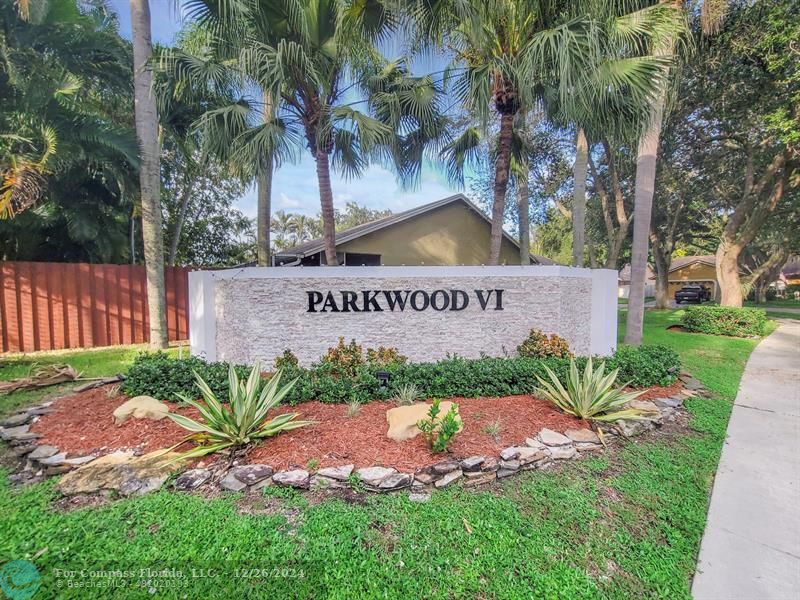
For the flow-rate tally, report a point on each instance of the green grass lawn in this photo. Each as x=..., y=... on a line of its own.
x=776, y=303
x=97, y=362
x=626, y=525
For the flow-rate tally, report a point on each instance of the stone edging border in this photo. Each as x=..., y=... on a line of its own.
x=540, y=451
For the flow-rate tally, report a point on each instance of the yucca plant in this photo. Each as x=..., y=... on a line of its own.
x=590, y=395
x=243, y=421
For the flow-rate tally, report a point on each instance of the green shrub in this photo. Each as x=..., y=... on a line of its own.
x=724, y=320
x=287, y=360
x=439, y=432
x=156, y=374
x=645, y=366
x=539, y=345
x=161, y=377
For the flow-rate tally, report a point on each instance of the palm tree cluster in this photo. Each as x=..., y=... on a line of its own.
x=254, y=84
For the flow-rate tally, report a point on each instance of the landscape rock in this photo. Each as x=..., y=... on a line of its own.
x=692, y=383
x=480, y=479
x=448, y=478
x=252, y=474
x=140, y=407
x=20, y=432
x=563, y=452
x=43, y=451
x=396, y=481
x=509, y=453
x=587, y=447
x=444, y=467
x=528, y=455
x=490, y=464
x=339, y=473
x=58, y=469
x=582, y=436
x=668, y=402
x=121, y=471
x=297, y=478
x=534, y=443
x=23, y=449
x=425, y=476
x=634, y=427
x=510, y=465
x=403, y=419
x=473, y=463
x=17, y=420
x=53, y=459
x=649, y=409
x=79, y=460
x=374, y=475
x=192, y=479
x=320, y=482
x=553, y=438
x=231, y=483
x=501, y=473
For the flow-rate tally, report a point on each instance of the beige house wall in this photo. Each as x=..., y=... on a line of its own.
x=448, y=236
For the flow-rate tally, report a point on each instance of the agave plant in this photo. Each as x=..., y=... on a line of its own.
x=243, y=421
x=590, y=395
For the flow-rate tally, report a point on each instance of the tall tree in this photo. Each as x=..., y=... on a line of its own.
x=666, y=45
x=146, y=118
x=579, y=197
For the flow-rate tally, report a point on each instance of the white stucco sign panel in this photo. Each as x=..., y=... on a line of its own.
x=244, y=315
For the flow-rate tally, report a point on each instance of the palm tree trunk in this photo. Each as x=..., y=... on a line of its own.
x=642, y=211
x=326, y=203
x=579, y=198
x=263, y=214
x=179, y=221
x=149, y=172
x=502, y=167
x=523, y=216
x=264, y=209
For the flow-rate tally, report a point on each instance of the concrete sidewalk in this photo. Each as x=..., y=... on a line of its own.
x=751, y=546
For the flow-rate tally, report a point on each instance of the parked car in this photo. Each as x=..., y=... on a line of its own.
x=693, y=293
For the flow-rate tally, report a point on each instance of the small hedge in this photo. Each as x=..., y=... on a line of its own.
x=156, y=374
x=723, y=320
x=161, y=377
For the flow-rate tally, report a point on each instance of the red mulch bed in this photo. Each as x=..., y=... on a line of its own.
x=83, y=423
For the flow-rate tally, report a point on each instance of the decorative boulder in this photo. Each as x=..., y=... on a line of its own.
x=403, y=419
x=140, y=407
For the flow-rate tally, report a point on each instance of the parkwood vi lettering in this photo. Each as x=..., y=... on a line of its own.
x=401, y=300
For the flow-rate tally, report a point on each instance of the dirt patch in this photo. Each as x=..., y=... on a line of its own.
x=678, y=328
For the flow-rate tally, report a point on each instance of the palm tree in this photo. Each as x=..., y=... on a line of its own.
x=311, y=57
x=504, y=51
x=146, y=118
x=667, y=45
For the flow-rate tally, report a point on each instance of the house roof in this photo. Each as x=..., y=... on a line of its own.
x=347, y=235
x=625, y=273
x=684, y=261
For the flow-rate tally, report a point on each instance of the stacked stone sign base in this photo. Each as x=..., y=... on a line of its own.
x=131, y=474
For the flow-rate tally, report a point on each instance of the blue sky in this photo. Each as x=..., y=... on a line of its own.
x=295, y=186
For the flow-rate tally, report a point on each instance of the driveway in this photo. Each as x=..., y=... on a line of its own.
x=751, y=545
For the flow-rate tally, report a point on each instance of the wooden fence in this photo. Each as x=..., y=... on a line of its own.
x=48, y=306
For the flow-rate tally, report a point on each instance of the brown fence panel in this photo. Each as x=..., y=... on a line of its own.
x=49, y=306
